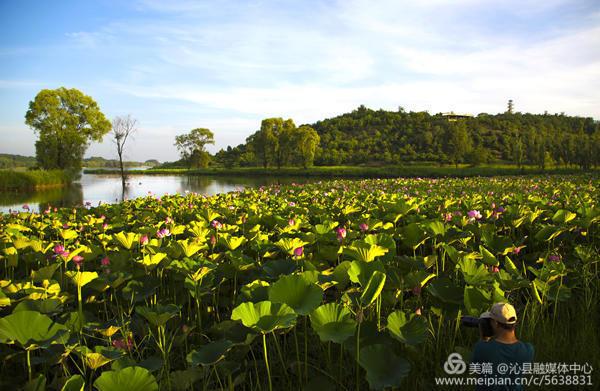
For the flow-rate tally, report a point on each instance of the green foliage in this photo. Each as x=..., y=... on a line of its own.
x=66, y=121
x=189, y=312
x=30, y=180
x=370, y=137
x=192, y=147
x=130, y=379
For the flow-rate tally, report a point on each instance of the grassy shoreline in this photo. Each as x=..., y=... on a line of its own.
x=11, y=180
x=355, y=172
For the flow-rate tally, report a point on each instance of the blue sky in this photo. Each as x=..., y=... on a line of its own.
x=176, y=65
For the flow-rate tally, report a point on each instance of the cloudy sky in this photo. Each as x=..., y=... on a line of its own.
x=178, y=64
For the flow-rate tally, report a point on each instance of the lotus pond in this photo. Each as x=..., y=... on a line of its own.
x=330, y=285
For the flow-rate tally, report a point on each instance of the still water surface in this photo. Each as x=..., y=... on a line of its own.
x=107, y=189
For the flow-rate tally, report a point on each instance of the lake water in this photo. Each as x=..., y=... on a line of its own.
x=107, y=189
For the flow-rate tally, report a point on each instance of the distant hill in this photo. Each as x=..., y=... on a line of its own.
x=380, y=137
x=15, y=161
x=19, y=161
x=370, y=136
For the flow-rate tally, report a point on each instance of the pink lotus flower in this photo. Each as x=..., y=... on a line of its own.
x=340, y=233
x=26, y=206
x=474, y=214
x=447, y=217
x=517, y=250
x=216, y=224
x=78, y=261
x=292, y=203
x=364, y=227
x=123, y=344
x=299, y=251
x=59, y=249
x=105, y=261
x=144, y=240
x=291, y=222
x=494, y=269
x=162, y=233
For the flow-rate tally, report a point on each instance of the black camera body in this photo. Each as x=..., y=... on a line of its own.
x=483, y=323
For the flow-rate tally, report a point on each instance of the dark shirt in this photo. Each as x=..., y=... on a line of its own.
x=513, y=355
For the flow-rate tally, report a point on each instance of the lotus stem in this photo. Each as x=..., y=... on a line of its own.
x=297, y=355
x=358, y=357
x=267, y=361
x=29, y=364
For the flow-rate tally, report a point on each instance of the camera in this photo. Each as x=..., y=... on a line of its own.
x=483, y=324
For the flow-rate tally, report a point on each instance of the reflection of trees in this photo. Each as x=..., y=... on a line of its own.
x=200, y=183
x=67, y=196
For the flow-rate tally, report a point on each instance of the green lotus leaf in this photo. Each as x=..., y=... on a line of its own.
x=12, y=256
x=365, y=252
x=190, y=248
x=410, y=329
x=477, y=300
x=333, y=322
x=126, y=240
x=563, y=216
x=44, y=273
x=4, y=300
x=151, y=261
x=360, y=272
x=44, y=306
x=210, y=353
x=158, y=315
x=21, y=243
x=296, y=292
x=127, y=379
x=277, y=267
x=30, y=328
x=474, y=272
x=231, y=242
x=36, y=384
x=373, y=288
x=81, y=278
x=446, y=290
x=288, y=245
x=413, y=235
x=264, y=316
x=488, y=258
x=68, y=234
x=74, y=383
x=383, y=366
x=255, y=291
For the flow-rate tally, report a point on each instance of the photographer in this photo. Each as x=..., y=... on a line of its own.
x=502, y=347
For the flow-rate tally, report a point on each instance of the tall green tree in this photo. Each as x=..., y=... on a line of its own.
x=192, y=146
x=459, y=143
x=66, y=121
x=306, y=142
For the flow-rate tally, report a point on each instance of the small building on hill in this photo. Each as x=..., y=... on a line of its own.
x=452, y=116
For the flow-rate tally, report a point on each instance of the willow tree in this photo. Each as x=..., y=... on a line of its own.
x=307, y=141
x=66, y=121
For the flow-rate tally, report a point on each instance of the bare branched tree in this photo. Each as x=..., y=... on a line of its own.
x=122, y=128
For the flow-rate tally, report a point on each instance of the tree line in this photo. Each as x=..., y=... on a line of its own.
x=66, y=121
x=381, y=137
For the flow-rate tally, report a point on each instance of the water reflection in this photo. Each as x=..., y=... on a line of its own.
x=107, y=188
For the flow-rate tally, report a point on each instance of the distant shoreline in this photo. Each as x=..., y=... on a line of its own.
x=356, y=172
